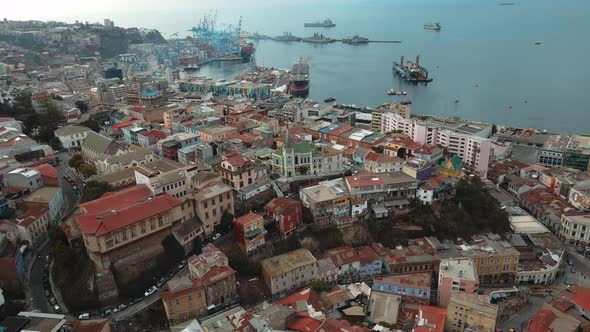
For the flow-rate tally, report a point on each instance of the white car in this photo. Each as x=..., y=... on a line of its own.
x=216, y=236
x=84, y=316
x=150, y=291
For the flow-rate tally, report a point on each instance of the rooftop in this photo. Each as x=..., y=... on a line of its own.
x=247, y=219
x=415, y=280
x=43, y=194
x=278, y=265
x=463, y=269
x=347, y=255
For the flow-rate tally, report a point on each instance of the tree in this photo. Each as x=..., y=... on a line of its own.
x=303, y=170
x=87, y=169
x=227, y=223
x=243, y=264
x=82, y=106
x=76, y=161
x=55, y=143
x=94, y=190
x=306, y=216
x=92, y=124
x=173, y=251
x=319, y=285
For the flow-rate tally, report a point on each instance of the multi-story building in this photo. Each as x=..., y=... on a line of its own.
x=168, y=147
x=355, y=264
x=25, y=178
x=131, y=159
x=237, y=171
x=285, y=212
x=127, y=224
x=33, y=224
x=382, y=163
x=575, y=229
x=413, y=288
x=577, y=154
x=216, y=133
x=287, y=272
x=51, y=197
x=329, y=202
x=470, y=312
x=468, y=140
x=210, y=198
x=392, y=191
x=456, y=276
x=579, y=195
x=72, y=136
x=496, y=260
x=249, y=232
x=327, y=271
x=418, y=256
x=166, y=176
x=96, y=147
x=184, y=299
x=211, y=268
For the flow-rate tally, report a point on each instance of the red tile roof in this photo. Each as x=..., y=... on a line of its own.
x=306, y=324
x=349, y=150
x=347, y=255
x=306, y=294
x=113, y=218
x=47, y=170
x=125, y=123
x=236, y=159
x=541, y=321
x=247, y=218
x=30, y=216
x=156, y=133
x=429, y=149
x=372, y=156
x=432, y=316
x=340, y=325
x=281, y=205
x=581, y=296
x=116, y=200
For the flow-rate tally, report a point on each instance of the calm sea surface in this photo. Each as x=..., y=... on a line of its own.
x=485, y=54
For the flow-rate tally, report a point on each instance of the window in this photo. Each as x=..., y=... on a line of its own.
x=152, y=224
x=124, y=236
x=133, y=231
x=205, y=205
x=214, y=213
x=206, y=215
x=143, y=227
x=160, y=222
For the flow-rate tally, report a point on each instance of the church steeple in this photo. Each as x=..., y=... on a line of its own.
x=288, y=143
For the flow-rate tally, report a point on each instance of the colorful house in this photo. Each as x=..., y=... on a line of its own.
x=249, y=232
x=286, y=212
x=452, y=168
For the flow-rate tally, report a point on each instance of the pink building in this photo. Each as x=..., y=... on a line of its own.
x=456, y=276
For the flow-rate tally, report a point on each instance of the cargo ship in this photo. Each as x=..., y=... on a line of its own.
x=286, y=37
x=327, y=23
x=299, y=85
x=411, y=71
x=356, y=39
x=318, y=38
x=433, y=26
x=246, y=51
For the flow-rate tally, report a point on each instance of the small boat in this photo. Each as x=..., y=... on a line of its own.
x=406, y=102
x=393, y=92
x=330, y=100
x=537, y=43
x=432, y=26
x=456, y=100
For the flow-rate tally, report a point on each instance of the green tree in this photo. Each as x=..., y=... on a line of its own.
x=87, y=169
x=227, y=223
x=55, y=143
x=31, y=124
x=49, y=121
x=319, y=285
x=76, y=161
x=303, y=170
x=243, y=264
x=307, y=216
x=173, y=251
x=92, y=124
x=94, y=190
x=82, y=106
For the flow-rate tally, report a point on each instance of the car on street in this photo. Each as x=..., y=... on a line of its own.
x=47, y=293
x=150, y=291
x=216, y=236
x=121, y=306
x=568, y=281
x=573, y=269
x=107, y=312
x=52, y=300
x=56, y=308
x=84, y=316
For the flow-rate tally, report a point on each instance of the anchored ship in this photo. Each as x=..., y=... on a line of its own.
x=246, y=51
x=432, y=26
x=318, y=39
x=327, y=23
x=393, y=92
x=411, y=71
x=356, y=39
x=299, y=85
x=286, y=37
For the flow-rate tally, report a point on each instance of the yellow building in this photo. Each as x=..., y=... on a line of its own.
x=184, y=299
x=470, y=310
x=249, y=231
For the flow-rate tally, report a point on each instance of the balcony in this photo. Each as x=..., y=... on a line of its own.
x=255, y=232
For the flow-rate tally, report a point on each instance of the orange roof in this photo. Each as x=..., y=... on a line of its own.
x=431, y=316
x=306, y=294
x=363, y=180
x=282, y=204
x=581, y=296
x=372, y=156
x=236, y=159
x=116, y=200
x=30, y=216
x=47, y=170
x=347, y=255
x=111, y=219
x=306, y=324
x=171, y=295
x=247, y=219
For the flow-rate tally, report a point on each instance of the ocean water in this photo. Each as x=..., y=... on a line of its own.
x=485, y=54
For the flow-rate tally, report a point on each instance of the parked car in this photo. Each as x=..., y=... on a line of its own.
x=216, y=236
x=573, y=269
x=150, y=291
x=122, y=306
x=56, y=308
x=47, y=293
x=52, y=301
x=84, y=316
x=107, y=312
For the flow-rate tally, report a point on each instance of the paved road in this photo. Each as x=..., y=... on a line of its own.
x=40, y=301
x=520, y=319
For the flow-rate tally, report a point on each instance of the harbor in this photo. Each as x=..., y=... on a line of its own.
x=320, y=38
